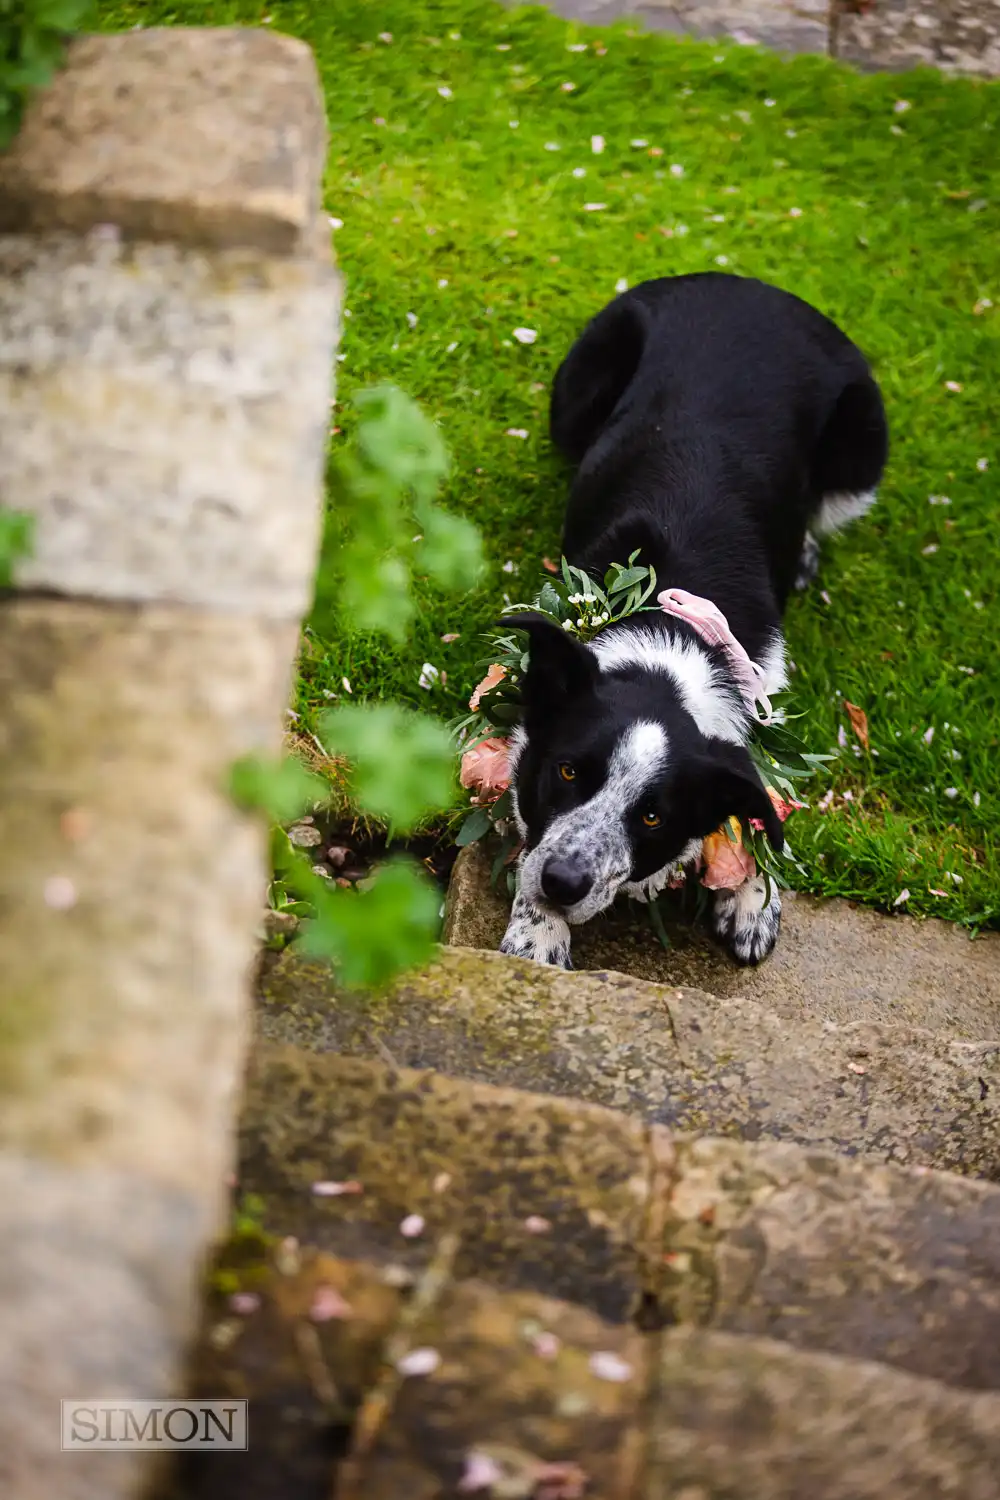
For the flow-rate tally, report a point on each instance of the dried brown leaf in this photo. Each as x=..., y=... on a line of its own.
x=859, y=722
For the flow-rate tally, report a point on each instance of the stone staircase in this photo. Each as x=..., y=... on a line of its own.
x=616, y=1238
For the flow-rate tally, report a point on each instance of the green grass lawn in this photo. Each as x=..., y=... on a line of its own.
x=472, y=203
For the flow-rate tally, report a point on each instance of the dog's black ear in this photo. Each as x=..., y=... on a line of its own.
x=715, y=788
x=559, y=665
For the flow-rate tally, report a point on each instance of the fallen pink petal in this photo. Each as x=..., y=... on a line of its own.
x=59, y=893
x=481, y=1473
x=559, y=1481
x=546, y=1345
x=419, y=1362
x=412, y=1226
x=244, y=1303
x=608, y=1366
x=535, y=1224
x=327, y=1304
x=336, y=1189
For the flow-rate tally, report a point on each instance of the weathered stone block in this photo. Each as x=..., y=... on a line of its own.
x=167, y=327
x=837, y=1256
x=958, y=36
x=200, y=137
x=524, y=1383
x=545, y=1194
x=676, y=1057
x=164, y=416
x=741, y=1417
x=834, y=960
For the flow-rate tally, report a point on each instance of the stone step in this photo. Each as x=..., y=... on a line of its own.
x=676, y=1057
x=697, y=1415
x=834, y=960
x=566, y=1199
x=521, y=1386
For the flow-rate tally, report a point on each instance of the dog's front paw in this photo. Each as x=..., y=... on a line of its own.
x=536, y=935
x=746, y=922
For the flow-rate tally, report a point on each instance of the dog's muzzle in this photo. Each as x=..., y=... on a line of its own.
x=565, y=882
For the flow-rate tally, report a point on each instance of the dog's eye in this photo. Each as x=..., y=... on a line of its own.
x=567, y=771
x=651, y=819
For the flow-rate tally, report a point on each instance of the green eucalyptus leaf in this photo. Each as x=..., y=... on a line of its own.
x=502, y=807
x=475, y=827
x=549, y=600
x=627, y=578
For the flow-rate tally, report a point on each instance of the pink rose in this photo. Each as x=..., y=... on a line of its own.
x=727, y=864
x=781, y=807
x=495, y=675
x=486, y=768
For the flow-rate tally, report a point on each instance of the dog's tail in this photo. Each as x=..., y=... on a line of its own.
x=596, y=375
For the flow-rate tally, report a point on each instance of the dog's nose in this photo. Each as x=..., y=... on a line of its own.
x=565, y=883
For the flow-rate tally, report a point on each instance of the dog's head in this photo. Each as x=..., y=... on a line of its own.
x=614, y=779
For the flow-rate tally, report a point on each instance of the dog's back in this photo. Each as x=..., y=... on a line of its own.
x=712, y=402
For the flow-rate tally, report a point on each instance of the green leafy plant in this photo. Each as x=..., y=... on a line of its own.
x=402, y=762
x=386, y=523
x=33, y=35
x=16, y=537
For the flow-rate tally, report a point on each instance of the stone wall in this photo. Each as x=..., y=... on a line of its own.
x=168, y=319
x=958, y=36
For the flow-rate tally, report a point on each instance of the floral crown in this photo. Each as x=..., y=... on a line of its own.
x=575, y=602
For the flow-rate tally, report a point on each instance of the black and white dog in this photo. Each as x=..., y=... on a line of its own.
x=721, y=426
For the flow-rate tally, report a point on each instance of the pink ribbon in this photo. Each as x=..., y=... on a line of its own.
x=713, y=627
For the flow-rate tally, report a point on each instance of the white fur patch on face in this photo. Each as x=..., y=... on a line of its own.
x=839, y=509
x=595, y=833
x=705, y=693
x=515, y=749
